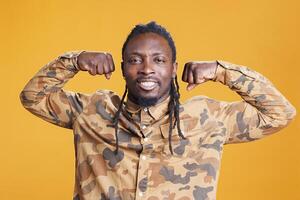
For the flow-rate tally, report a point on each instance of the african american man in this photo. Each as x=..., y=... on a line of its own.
x=146, y=144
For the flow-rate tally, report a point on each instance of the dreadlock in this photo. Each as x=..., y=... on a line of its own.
x=173, y=107
x=174, y=104
x=116, y=120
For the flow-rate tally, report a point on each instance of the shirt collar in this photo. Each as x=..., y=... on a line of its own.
x=156, y=111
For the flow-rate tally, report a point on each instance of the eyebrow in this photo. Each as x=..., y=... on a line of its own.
x=139, y=53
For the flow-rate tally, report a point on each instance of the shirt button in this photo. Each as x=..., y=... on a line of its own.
x=141, y=194
x=143, y=127
x=146, y=109
x=144, y=157
x=146, y=139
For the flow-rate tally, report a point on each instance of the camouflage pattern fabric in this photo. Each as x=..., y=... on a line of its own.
x=144, y=167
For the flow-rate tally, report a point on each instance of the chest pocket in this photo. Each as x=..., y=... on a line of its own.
x=192, y=132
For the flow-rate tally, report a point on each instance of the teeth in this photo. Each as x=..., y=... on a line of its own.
x=147, y=84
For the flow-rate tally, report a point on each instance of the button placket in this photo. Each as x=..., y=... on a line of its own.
x=144, y=157
x=141, y=194
x=142, y=173
x=145, y=117
x=143, y=126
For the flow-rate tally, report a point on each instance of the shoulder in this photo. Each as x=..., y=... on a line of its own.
x=103, y=102
x=100, y=96
x=108, y=98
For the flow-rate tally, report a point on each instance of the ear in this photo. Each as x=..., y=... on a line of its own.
x=175, y=66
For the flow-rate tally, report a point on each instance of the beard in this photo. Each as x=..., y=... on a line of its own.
x=143, y=101
x=146, y=102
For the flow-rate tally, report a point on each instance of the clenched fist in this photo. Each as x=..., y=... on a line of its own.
x=96, y=63
x=198, y=72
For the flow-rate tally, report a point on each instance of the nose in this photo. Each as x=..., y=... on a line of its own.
x=147, y=67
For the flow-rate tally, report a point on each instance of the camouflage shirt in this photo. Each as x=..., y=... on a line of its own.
x=144, y=168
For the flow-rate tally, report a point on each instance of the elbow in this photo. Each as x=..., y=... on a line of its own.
x=287, y=116
x=22, y=97
x=289, y=112
x=27, y=98
x=292, y=112
x=282, y=117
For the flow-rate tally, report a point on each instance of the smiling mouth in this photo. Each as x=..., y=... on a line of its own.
x=147, y=85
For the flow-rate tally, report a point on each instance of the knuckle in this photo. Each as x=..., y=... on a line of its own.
x=100, y=56
x=197, y=69
x=186, y=65
x=192, y=63
x=103, y=56
x=189, y=64
x=195, y=65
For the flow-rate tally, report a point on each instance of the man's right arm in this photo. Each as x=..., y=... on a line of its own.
x=43, y=94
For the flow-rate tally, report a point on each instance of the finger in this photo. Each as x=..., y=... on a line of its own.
x=110, y=62
x=84, y=67
x=191, y=86
x=196, y=76
x=108, y=75
x=198, y=79
x=100, y=68
x=106, y=69
x=185, y=73
x=92, y=70
x=190, y=75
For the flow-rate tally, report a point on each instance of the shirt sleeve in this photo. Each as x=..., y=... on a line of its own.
x=263, y=110
x=43, y=94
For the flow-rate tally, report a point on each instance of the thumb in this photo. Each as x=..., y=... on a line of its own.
x=107, y=76
x=84, y=67
x=191, y=86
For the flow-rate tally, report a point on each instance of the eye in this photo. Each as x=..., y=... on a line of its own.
x=160, y=60
x=135, y=60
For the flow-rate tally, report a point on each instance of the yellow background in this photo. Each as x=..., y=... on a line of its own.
x=37, y=159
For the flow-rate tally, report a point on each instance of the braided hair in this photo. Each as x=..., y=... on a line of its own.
x=174, y=104
x=173, y=107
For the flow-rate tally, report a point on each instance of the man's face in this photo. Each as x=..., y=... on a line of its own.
x=148, y=69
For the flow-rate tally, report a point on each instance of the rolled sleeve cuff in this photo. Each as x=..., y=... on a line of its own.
x=73, y=57
x=220, y=72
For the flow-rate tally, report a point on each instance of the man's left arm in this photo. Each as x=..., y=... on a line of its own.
x=263, y=110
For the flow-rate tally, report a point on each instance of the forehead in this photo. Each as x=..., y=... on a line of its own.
x=148, y=43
